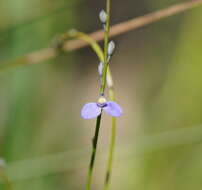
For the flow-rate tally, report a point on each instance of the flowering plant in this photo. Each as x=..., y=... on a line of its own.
x=95, y=109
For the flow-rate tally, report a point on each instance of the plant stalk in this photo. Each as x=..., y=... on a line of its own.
x=94, y=149
x=102, y=90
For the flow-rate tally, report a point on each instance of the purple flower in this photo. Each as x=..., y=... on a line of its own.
x=93, y=109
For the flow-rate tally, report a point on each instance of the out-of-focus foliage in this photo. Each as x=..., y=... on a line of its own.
x=157, y=72
x=178, y=105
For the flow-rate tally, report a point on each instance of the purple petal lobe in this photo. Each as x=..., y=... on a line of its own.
x=113, y=109
x=90, y=110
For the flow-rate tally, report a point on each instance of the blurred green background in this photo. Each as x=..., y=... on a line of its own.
x=158, y=77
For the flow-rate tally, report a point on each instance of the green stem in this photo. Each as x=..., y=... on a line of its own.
x=112, y=139
x=111, y=154
x=106, y=42
x=106, y=72
x=94, y=149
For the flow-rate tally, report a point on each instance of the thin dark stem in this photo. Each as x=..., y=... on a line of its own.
x=94, y=149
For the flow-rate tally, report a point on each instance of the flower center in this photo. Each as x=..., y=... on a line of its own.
x=102, y=102
x=101, y=105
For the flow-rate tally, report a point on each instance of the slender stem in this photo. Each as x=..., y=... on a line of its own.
x=111, y=155
x=106, y=73
x=106, y=42
x=94, y=149
x=112, y=138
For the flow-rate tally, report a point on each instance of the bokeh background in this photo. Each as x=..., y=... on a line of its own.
x=158, y=79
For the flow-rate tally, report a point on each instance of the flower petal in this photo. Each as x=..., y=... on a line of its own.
x=90, y=110
x=113, y=109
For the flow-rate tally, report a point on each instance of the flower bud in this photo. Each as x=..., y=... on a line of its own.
x=100, y=68
x=109, y=81
x=111, y=48
x=103, y=16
